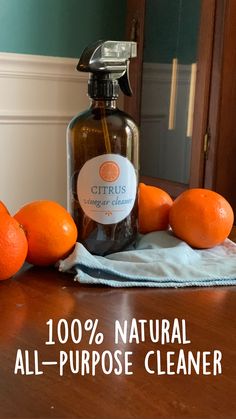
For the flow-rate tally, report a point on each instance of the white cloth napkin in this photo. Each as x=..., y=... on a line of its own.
x=159, y=259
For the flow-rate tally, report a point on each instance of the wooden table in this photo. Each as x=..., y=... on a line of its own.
x=36, y=295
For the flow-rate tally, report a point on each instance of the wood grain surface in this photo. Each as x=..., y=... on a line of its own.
x=35, y=295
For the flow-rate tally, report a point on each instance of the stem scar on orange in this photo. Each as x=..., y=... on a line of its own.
x=50, y=230
x=13, y=246
x=201, y=217
x=154, y=207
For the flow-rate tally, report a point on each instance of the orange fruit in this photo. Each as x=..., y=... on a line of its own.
x=201, y=217
x=3, y=208
x=50, y=230
x=154, y=207
x=13, y=246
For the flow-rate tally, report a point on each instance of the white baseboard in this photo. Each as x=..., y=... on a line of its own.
x=39, y=96
x=40, y=67
x=29, y=118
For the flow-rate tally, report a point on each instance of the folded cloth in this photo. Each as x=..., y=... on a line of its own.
x=158, y=259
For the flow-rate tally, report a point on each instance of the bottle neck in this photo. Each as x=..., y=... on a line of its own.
x=102, y=88
x=106, y=103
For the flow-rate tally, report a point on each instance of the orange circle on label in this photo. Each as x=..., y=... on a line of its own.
x=109, y=171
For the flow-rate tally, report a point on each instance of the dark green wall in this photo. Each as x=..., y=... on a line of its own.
x=171, y=30
x=58, y=27
x=64, y=27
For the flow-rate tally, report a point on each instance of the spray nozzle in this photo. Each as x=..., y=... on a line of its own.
x=109, y=58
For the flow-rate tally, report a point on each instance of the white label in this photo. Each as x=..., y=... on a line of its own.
x=106, y=188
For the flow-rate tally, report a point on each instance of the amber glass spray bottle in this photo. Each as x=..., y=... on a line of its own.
x=102, y=150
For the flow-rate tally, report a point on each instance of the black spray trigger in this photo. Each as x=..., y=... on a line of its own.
x=124, y=82
x=108, y=62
